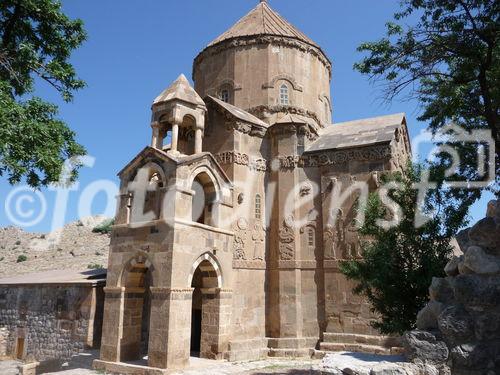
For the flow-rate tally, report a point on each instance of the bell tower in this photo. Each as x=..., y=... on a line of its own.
x=179, y=112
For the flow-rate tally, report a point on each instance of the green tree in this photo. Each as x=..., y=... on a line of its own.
x=399, y=261
x=449, y=60
x=36, y=41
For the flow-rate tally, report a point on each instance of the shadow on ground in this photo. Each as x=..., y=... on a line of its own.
x=80, y=361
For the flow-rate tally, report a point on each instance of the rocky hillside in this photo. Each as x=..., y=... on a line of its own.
x=73, y=247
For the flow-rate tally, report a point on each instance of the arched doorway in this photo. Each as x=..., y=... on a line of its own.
x=136, y=281
x=210, y=309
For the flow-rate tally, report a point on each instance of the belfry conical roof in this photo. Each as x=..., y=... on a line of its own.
x=181, y=89
x=262, y=20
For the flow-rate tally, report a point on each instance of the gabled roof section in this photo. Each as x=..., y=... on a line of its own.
x=358, y=133
x=262, y=20
x=237, y=112
x=182, y=90
x=147, y=151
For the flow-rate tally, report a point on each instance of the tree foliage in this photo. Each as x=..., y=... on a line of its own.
x=399, y=262
x=36, y=41
x=449, y=60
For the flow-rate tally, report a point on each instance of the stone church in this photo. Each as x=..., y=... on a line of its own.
x=228, y=235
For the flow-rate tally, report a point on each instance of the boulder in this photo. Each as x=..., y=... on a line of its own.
x=477, y=290
x=425, y=347
x=456, y=325
x=427, y=318
x=479, y=262
x=451, y=268
x=486, y=234
x=472, y=356
x=487, y=325
x=463, y=240
x=441, y=290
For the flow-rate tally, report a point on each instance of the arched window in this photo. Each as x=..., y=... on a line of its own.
x=258, y=207
x=284, y=97
x=327, y=110
x=310, y=237
x=224, y=95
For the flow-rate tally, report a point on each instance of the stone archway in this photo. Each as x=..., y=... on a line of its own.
x=210, y=310
x=136, y=280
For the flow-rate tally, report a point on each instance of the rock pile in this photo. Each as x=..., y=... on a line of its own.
x=74, y=247
x=459, y=329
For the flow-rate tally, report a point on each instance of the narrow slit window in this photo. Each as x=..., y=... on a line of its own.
x=310, y=237
x=224, y=96
x=284, y=96
x=258, y=207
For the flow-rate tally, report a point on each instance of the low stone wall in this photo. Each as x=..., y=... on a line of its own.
x=49, y=322
x=460, y=326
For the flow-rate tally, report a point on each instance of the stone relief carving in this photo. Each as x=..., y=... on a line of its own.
x=240, y=234
x=305, y=189
x=287, y=238
x=231, y=157
x=258, y=236
x=239, y=248
x=308, y=160
x=242, y=224
x=334, y=157
x=335, y=242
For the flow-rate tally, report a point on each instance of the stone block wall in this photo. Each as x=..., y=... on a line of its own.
x=48, y=322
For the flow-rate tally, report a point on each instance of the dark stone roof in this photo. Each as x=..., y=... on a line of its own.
x=358, y=133
x=262, y=20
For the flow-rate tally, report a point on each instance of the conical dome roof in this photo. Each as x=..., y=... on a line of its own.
x=263, y=20
x=181, y=89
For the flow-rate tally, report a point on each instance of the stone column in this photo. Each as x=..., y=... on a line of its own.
x=156, y=139
x=170, y=327
x=198, y=144
x=215, y=322
x=112, y=324
x=175, y=137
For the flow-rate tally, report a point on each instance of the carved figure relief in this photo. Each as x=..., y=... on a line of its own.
x=286, y=239
x=336, y=235
x=239, y=249
x=329, y=243
x=258, y=236
x=305, y=189
x=240, y=235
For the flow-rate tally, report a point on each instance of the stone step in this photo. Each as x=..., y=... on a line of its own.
x=290, y=353
x=352, y=338
x=358, y=348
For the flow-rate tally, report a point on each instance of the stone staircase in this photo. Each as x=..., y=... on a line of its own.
x=371, y=344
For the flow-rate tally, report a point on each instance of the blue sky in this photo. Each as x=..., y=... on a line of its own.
x=135, y=49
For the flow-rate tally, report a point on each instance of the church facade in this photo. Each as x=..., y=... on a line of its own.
x=231, y=224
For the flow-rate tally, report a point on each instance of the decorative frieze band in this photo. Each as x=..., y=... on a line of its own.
x=232, y=157
x=322, y=159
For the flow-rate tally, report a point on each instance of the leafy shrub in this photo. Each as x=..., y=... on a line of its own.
x=105, y=227
x=95, y=266
x=22, y=258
